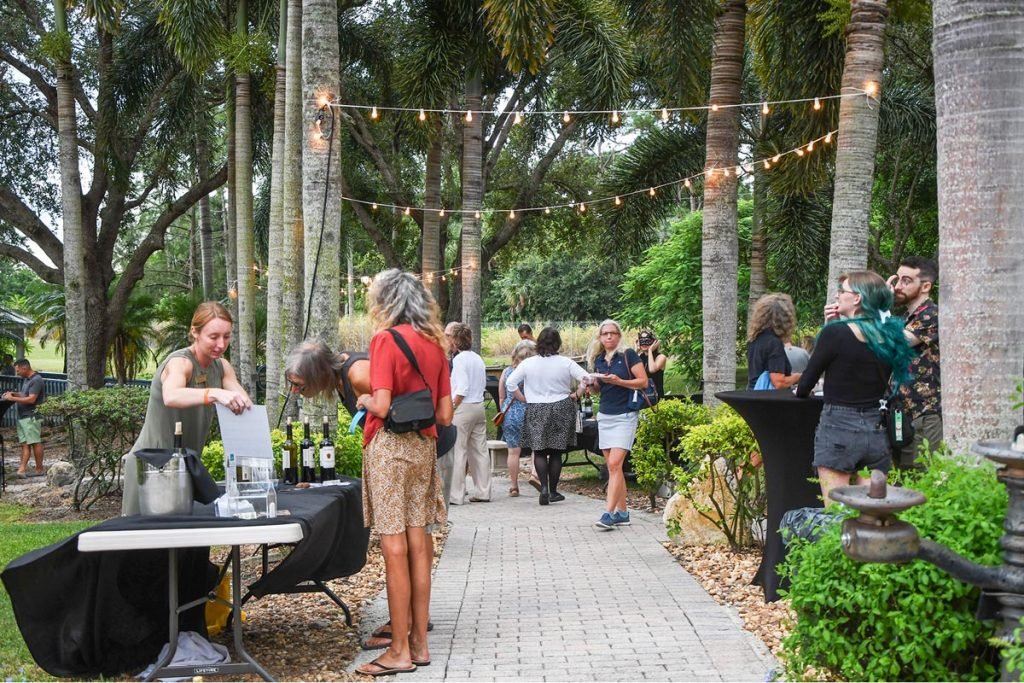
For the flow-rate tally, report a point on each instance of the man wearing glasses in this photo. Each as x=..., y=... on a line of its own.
x=912, y=287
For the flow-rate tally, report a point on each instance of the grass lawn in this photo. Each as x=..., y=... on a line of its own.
x=19, y=538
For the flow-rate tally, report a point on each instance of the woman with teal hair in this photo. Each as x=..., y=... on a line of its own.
x=859, y=350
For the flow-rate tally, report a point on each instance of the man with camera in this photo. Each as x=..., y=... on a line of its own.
x=912, y=287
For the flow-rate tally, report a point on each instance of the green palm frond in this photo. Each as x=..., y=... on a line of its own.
x=107, y=13
x=523, y=30
x=194, y=29
x=593, y=35
x=797, y=229
x=907, y=112
x=661, y=155
x=434, y=54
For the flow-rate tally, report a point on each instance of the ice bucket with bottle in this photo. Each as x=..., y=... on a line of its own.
x=165, y=485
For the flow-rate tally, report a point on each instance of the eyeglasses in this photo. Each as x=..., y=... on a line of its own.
x=296, y=386
x=842, y=290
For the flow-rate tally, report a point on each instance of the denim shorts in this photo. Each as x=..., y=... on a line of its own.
x=849, y=439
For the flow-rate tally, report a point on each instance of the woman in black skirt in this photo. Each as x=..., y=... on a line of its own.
x=549, y=429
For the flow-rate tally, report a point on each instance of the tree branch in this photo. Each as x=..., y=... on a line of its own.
x=366, y=220
x=510, y=227
x=51, y=275
x=364, y=138
x=36, y=78
x=25, y=220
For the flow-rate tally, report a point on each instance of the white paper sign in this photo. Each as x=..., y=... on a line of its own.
x=246, y=435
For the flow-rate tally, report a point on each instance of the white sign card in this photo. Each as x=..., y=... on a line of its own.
x=246, y=435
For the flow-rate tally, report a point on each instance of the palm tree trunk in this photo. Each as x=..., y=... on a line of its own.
x=472, y=199
x=246, y=358
x=321, y=163
x=230, y=225
x=430, y=260
x=275, y=238
x=205, y=221
x=293, y=275
x=719, y=245
x=858, y=133
x=76, y=339
x=979, y=94
x=758, y=274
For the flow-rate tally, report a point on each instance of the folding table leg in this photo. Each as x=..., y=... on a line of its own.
x=172, y=610
x=236, y=612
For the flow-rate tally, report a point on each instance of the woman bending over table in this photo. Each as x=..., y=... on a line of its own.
x=619, y=371
x=184, y=389
x=858, y=350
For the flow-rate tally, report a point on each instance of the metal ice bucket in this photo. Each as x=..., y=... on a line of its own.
x=165, y=490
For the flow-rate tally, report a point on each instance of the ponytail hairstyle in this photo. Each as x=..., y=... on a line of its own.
x=883, y=331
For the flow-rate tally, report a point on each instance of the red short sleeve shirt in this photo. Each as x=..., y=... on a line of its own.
x=390, y=369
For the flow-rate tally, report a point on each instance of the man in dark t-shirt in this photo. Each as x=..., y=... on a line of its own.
x=32, y=394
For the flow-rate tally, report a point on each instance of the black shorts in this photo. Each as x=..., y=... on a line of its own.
x=849, y=439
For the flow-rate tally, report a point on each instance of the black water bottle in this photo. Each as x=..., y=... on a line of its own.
x=290, y=457
x=327, y=454
x=308, y=472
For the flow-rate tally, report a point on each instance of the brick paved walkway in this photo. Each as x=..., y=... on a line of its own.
x=524, y=592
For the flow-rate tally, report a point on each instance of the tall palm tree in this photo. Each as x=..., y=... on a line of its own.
x=321, y=165
x=275, y=239
x=71, y=208
x=245, y=357
x=981, y=214
x=720, y=246
x=858, y=132
x=472, y=199
x=294, y=268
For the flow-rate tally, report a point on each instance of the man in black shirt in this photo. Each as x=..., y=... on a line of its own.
x=32, y=394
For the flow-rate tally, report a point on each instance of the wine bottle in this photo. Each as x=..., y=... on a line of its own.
x=308, y=472
x=179, y=449
x=588, y=408
x=327, y=454
x=290, y=457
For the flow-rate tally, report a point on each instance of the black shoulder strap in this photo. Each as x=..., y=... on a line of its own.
x=402, y=344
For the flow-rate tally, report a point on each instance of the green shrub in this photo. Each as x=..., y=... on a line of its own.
x=348, y=451
x=719, y=479
x=101, y=426
x=659, y=438
x=908, y=621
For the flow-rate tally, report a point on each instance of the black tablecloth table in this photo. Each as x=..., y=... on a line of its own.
x=106, y=613
x=784, y=428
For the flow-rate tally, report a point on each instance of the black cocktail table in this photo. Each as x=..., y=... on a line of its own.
x=784, y=428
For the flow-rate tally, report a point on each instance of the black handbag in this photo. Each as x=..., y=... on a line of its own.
x=413, y=411
x=640, y=398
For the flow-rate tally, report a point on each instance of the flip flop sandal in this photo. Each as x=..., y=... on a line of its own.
x=421, y=662
x=513, y=492
x=384, y=633
x=384, y=669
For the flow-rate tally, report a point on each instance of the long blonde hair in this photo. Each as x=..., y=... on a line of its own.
x=397, y=297
x=595, y=348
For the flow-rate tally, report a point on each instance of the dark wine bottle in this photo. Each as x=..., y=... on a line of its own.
x=327, y=454
x=290, y=457
x=588, y=408
x=308, y=464
x=179, y=448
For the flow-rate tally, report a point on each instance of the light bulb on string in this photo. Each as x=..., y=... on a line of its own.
x=870, y=88
x=775, y=159
x=764, y=108
x=817, y=104
x=687, y=183
x=714, y=107
x=828, y=137
x=373, y=113
x=566, y=118
x=407, y=211
x=547, y=210
x=518, y=118
x=799, y=151
x=739, y=171
x=710, y=173
x=423, y=115
x=441, y=212
x=725, y=173
x=664, y=114
x=476, y=215
x=374, y=207
x=749, y=168
x=767, y=164
x=469, y=116
x=583, y=207
x=810, y=146
x=512, y=214
x=618, y=202
x=651, y=192
x=615, y=117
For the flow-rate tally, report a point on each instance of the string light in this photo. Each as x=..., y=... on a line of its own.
x=518, y=118
x=870, y=89
x=441, y=212
x=407, y=212
x=423, y=115
x=374, y=207
x=615, y=117
x=620, y=198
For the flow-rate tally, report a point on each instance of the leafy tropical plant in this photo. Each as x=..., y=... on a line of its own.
x=720, y=479
x=659, y=441
x=907, y=621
